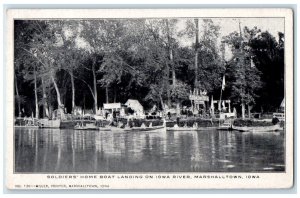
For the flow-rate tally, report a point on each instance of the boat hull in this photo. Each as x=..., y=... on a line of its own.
x=134, y=129
x=27, y=127
x=87, y=126
x=146, y=129
x=190, y=128
x=258, y=129
x=45, y=123
x=224, y=128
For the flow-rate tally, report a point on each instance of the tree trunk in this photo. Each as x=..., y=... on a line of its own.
x=249, y=111
x=50, y=110
x=115, y=94
x=162, y=103
x=243, y=110
x=60, y=107
x=170, y=47
x=95, y=86
x=45, y=104
x=196, y=53
x=73, y=90
x=168, y=65
x=173, y=69
x=57, y=92
x=106, y=93
x=167, y=84
x=178, y=108
x=18, y=97
x=36, y=97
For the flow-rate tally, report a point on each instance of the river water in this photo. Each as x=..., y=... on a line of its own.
x=55, y=150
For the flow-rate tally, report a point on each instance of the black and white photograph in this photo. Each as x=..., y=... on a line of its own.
x=157, y=95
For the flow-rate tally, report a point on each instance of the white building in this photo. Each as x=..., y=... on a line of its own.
x=136, y=106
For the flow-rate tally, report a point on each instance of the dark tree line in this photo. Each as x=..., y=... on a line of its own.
x=69, y=63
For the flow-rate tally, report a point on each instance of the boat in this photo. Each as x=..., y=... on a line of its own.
x=152, y=129
x=227, y=125
x=27, y=126
x=87, y=126
x=133, y=129
x=190, y=128
x=258, y=128
x=46, y=123
x=26, y=123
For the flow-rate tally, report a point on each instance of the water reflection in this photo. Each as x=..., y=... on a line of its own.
x=54, y=150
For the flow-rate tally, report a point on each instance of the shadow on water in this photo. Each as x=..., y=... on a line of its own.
x=54, y=150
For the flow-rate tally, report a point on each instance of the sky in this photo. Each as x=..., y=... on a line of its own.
x=273, y=25
x=228, y=25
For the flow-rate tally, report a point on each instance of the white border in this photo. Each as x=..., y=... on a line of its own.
x=267, y=180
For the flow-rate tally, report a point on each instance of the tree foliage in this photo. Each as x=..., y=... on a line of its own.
x=83, y=62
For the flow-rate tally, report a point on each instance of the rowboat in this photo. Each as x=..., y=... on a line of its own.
x=27, y=126
x=87, y=126
x=258, y=128
x=141, y=129
x=190, y=128
x=28, y=123
x=227, y=125
x=133, y=129
x=46, y=123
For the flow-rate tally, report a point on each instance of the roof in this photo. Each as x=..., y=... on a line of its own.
x=134, y=104
x=112, y=105
x=282, y=103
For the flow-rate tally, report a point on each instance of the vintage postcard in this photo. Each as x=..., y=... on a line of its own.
x=149, y=99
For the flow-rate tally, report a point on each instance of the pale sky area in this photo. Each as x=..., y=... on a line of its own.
x=228, y=25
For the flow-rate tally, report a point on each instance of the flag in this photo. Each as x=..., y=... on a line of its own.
x=212, y=108
x=223, y=83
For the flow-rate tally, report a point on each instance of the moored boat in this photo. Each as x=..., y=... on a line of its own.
x=87, y=126
x=190, y=128
x=152, y=129
x=258, y=128
x=46, y=123
x=227, y=125
x=26, y=123
x=27, y=126
x=134, y=129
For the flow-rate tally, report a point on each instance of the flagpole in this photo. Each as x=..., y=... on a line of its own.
x=219, y=105
x=220, y=97
x=221, y=93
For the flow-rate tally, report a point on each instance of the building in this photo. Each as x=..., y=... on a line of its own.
x=136, y=106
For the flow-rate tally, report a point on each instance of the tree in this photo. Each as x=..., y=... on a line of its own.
x=40, y=42
x=161, y=41
x=103, y=38
x=243, y=77
x=207, y=62
x=70, y=55
x=24, y=60
x=268, y=56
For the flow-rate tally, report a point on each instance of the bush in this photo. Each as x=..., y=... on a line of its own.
x=249, y=122
x=190, y=122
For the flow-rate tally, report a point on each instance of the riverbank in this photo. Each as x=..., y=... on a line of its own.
x=182, y=122
x=254, y=123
